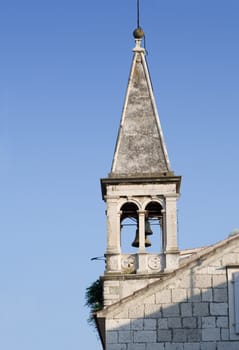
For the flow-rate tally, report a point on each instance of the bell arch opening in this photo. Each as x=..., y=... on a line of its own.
x=128, y=226
x=154, y=226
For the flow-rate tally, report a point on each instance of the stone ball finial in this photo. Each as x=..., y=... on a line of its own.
x=138, y=33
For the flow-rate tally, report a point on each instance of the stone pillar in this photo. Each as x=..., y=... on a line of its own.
x=142, y=258
x=170, y=243
x=113, y=226
x=113, y=249
x=171, y=224
x=163, y=231
x=141, y=216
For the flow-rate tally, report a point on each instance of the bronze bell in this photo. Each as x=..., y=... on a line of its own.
x=148, y=230
x=136, y=240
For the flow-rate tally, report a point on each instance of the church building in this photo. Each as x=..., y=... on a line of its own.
x=157, y=297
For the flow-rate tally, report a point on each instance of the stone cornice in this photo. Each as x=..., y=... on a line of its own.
x=160, y=179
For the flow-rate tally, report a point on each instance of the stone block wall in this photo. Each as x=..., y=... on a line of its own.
x=115, y=290
x=188, y=311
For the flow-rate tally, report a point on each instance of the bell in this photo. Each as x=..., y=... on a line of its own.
x=147, y=242
x=136, y=240
x=148, y=230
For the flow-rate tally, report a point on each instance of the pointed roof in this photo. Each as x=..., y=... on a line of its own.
x=140, y=148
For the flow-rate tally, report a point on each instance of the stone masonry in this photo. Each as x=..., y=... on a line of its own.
x=187, y=310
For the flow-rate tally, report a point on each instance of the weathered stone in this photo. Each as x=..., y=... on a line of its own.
x=125, y=337
x=179, y=335
x=200, y=309
x=173, y=346
x=137, y=346
x=228, y=345
x=222, y=322
x=164, y=297
x=207, y=294
x=163, y=323
x=192, y=346
x=218, y=309
x=230, y=259
x=194, y=295
x=154, y=347
x=114, y=290
x=189, y=322
x=220, y=295
x=179, y=295
x=211, y=334
x=164, y=335
x=184, y=282
x=209, y=322
x=136, y=311
x=117, y=347
x=116, y=324
x=209, y=346
x=219, y=281
x=121, y=315
x=112, y=337
x=152, y=311
x=186, y=309
x=140, y=146
x=150, y=299
x=194, y=335
x=137, y=324
x=145, y=337
x=224, y=334
x=150, y=324
x=203, y=281
x=174, y=322
x=199, y=322
x=170, y=310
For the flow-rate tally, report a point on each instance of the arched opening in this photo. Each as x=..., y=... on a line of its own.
x=129, y=224
x=154, y=226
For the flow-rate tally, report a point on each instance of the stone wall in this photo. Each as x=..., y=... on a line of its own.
x=115, y=290
x=187, y=311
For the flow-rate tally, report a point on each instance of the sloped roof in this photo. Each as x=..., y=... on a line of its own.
x=202, y=255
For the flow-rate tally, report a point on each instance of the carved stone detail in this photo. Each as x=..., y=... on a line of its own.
x=128, y=263
x=154, y=262
x=112, y=262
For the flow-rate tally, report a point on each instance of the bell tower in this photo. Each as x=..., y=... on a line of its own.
x=140, y=192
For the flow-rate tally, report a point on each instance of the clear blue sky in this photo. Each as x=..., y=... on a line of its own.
x=64, y=67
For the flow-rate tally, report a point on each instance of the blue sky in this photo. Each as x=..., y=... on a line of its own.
x=64, y=68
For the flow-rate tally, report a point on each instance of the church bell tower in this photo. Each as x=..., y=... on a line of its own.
x=140, y=192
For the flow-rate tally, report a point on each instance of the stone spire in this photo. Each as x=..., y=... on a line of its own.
x=140, y=148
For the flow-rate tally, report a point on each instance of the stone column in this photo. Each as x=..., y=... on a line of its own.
x=163, y=230
x=113, y=250
x=141, y=217
x=142, y=263
x=171, y=224
x=170, y=243
x=113, y=226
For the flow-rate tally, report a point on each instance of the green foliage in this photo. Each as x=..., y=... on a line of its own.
x=94, y=298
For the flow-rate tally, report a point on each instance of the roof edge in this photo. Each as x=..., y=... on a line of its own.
x=202, y=254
